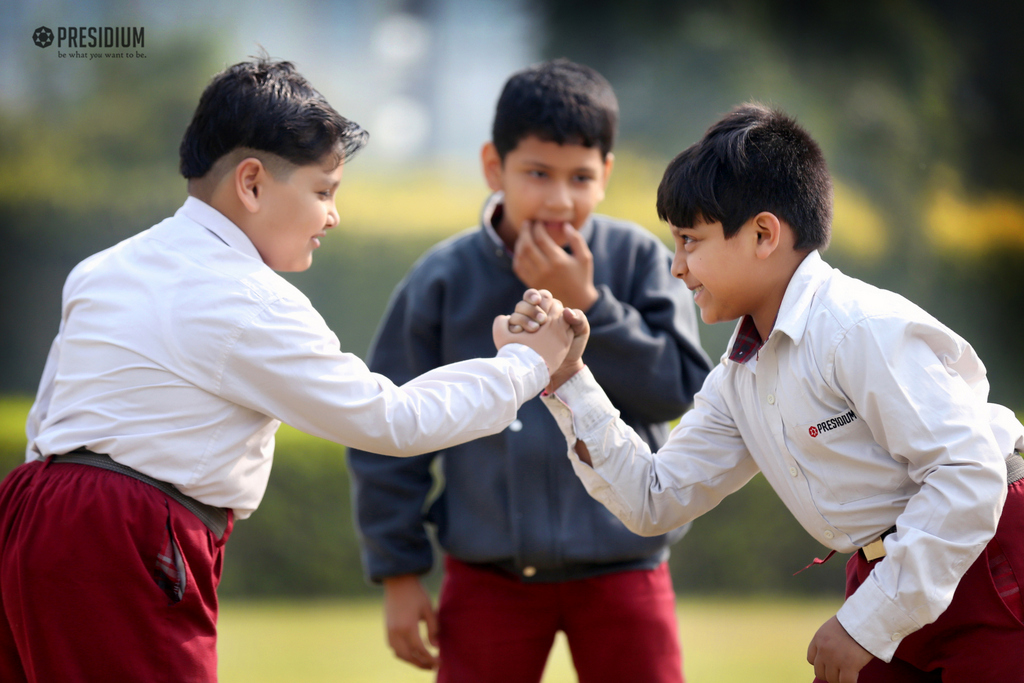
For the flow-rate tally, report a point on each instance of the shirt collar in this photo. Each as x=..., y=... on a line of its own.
x=793, y=312
x=796, y=302
x=220, y=225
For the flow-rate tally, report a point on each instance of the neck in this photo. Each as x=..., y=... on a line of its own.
x=767, y=310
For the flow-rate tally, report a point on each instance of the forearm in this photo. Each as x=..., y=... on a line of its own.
x=651, y=494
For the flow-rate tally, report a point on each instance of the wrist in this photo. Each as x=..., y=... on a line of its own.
x=587, y=298
x=564, y=374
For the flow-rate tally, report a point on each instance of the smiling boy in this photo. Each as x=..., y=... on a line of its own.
x=867, y=416
x=180, y=352
x=528, y=552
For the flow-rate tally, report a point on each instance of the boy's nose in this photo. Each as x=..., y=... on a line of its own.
x=679, y=269
x=559, y=197
x=332, y=216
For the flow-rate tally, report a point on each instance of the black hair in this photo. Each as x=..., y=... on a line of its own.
x=557, y=101
x=267, y=106
x=753, y=159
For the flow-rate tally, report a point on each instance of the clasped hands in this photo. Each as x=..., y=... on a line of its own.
x=558, y=334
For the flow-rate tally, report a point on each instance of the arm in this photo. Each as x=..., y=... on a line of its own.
x=287, y=364
x=703, y=461
x=924, y=404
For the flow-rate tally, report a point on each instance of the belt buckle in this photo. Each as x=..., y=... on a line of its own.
x=874, y=550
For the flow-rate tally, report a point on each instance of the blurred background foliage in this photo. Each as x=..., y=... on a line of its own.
x=916, y=103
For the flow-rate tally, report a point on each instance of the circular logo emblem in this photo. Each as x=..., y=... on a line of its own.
x=813, y=431
x=42, y=36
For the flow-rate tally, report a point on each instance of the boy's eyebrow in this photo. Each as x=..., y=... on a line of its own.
x=547, y=167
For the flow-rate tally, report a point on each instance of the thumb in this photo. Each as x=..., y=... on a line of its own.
x=430, y=617
x=499, y=330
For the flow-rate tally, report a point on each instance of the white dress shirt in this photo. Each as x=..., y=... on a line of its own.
x=862, y=411
x=179, y=353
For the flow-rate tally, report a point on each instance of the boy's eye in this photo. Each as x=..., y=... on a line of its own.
x=582, y=178
x=537, y=174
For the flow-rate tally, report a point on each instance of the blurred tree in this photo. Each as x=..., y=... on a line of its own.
x=79, y=173
x=901, y=95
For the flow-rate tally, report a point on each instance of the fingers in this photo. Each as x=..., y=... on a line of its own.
x=409, y=647
x=577, y=245
x=531, y=312
x=546, y=245
x=539, y=297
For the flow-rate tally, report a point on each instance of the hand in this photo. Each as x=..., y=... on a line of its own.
x=540, y=263
x=835, y=655
x=533, y=311
x=552, y=339
x=573, y=361
x=406, y=604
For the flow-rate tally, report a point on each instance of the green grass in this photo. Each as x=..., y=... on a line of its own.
x=724, y=641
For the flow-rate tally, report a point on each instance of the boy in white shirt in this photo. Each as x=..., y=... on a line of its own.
x=179, y=353
x=867, y=416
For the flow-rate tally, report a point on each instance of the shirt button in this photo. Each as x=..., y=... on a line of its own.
x=828, y=534
x=771, y=399
x=793, y=471
x=529, y=571
x=516, y=426
x=499, y=253
x=897, y=635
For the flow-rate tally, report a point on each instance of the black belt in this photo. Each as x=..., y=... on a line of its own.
x=215, y=518
x=1014, y=468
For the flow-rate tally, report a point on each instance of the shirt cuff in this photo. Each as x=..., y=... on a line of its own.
x=529, y=367
x=875, y=621
x=591, y=409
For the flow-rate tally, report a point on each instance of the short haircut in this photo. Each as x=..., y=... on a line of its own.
x=753, y=159
x=557, y=101
x=267, y=106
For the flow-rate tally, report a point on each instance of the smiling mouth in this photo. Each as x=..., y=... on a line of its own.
x=697, y=290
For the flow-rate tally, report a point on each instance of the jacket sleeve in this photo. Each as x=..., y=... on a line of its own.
x=653, y=325
x=390, y=494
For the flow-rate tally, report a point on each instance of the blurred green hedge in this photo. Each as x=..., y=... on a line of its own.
x=302, y=541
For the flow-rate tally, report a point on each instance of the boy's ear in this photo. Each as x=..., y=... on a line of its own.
x=768, y=229
x=609, y=163
x=493, y=167
x=249, y=179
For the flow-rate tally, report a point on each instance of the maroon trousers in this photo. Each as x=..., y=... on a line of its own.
x=103, y=578
x=980, y=637
x=496, y=629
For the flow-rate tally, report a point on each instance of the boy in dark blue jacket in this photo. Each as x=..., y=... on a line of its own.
x=529, y=553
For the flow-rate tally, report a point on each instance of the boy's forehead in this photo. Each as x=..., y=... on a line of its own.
x=534, y=148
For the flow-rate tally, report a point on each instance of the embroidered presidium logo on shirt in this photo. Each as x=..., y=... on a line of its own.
x=830, y=424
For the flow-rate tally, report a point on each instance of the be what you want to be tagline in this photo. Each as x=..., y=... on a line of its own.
x=93, y=42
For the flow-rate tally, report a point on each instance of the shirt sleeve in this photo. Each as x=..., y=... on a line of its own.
x=703, y=461
x=917, y=388
x=286, y=363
